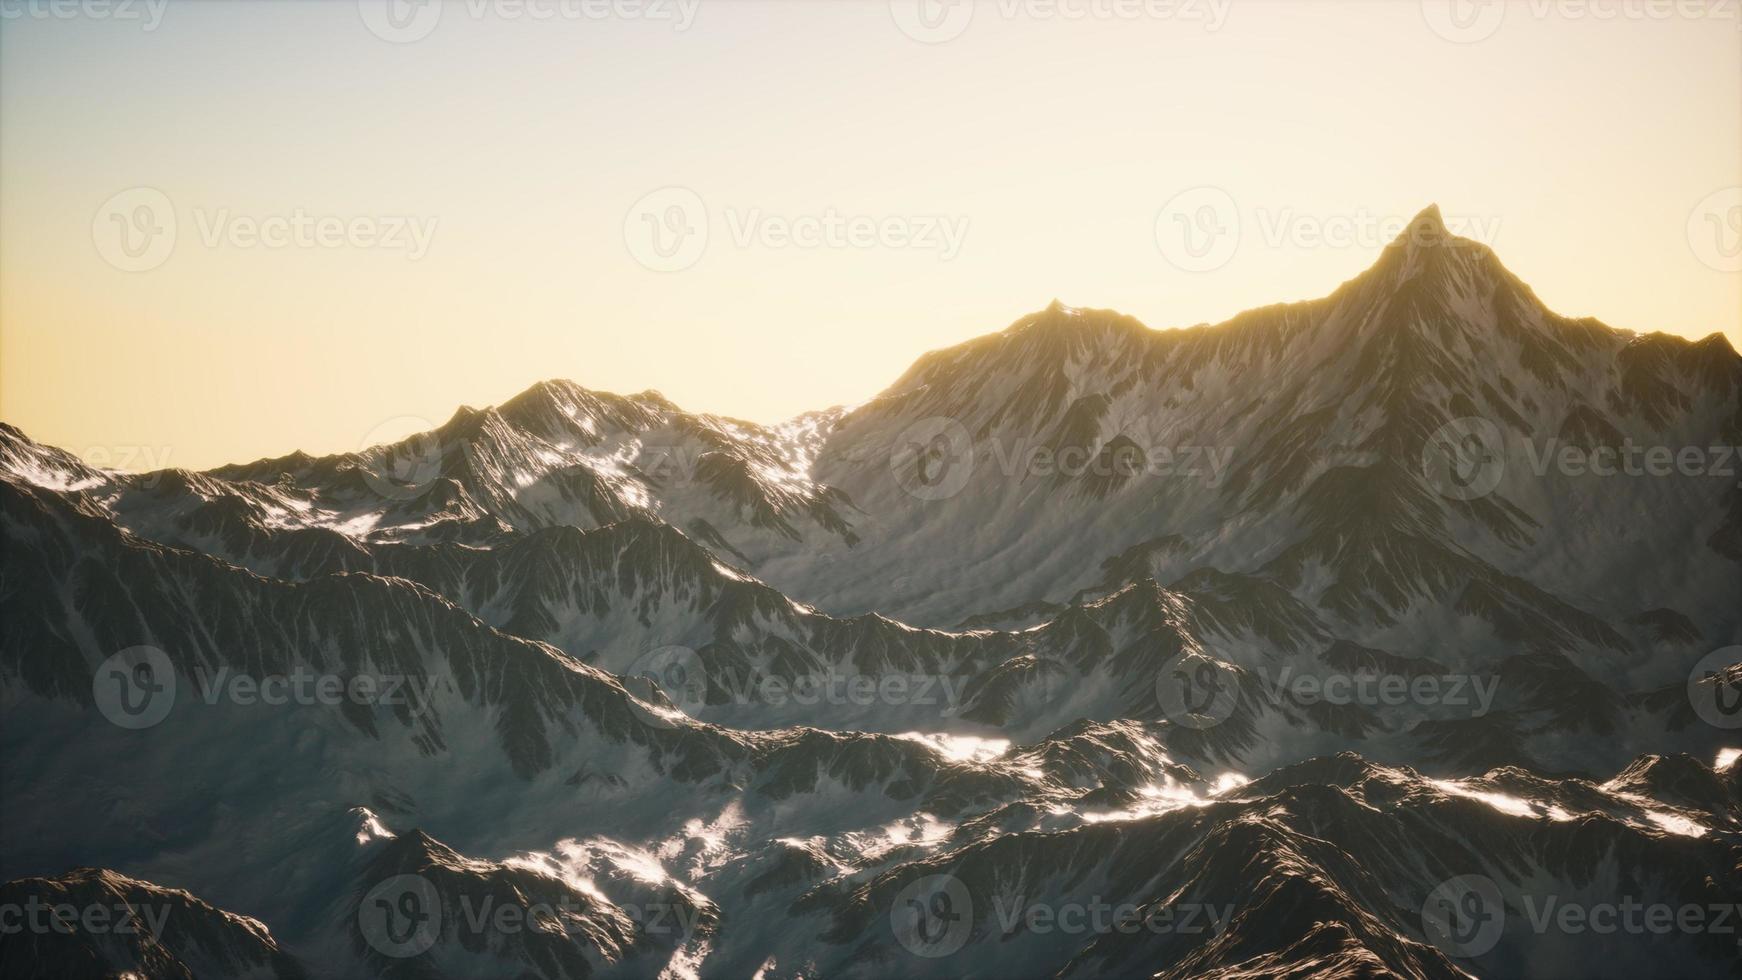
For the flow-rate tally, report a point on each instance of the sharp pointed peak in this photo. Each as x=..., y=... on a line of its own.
x=1427, y=243
x=1426, y=229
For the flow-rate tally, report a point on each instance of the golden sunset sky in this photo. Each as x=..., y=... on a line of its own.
x=231, y=230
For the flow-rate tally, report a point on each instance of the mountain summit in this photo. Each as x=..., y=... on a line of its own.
x=1076, y=612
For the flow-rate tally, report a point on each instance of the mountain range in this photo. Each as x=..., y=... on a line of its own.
x=1361, y=636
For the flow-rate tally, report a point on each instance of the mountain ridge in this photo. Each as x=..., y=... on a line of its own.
x=1099, y=559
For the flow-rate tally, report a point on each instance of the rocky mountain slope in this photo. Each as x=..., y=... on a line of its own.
x=1361, y=636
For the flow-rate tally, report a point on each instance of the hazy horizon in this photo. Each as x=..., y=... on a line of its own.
x=422, y=211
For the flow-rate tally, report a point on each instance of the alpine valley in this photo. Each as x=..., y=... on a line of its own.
x=1392, y=633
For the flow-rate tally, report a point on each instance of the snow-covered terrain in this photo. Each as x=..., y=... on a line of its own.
x=1354, y=637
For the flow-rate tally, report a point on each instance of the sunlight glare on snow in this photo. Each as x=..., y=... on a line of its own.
x=1505, y=803
x=1163, y=797
x=1671, y=823
x=960, y=748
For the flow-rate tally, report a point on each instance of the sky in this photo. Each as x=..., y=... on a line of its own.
x=230, y=230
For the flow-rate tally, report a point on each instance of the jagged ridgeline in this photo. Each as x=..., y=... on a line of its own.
x=1282, y=626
